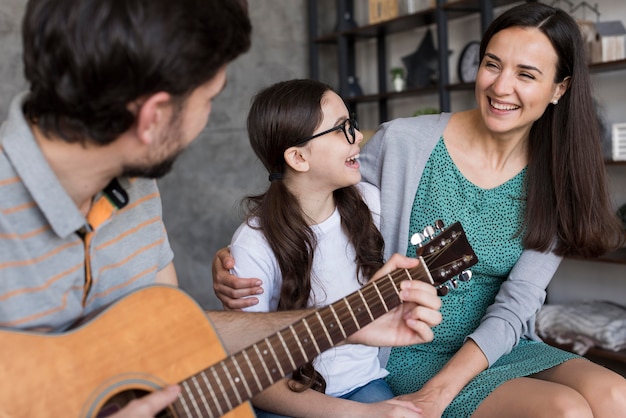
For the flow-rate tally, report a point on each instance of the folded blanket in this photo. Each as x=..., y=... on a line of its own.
x=584, y=325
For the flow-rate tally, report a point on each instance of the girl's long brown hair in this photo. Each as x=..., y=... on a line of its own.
x=281, y=115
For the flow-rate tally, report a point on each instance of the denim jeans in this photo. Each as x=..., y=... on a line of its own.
x=375, y=391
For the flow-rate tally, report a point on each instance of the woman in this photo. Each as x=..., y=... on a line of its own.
x=524, y=174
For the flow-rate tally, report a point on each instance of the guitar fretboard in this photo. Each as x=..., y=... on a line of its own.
x=223, y=386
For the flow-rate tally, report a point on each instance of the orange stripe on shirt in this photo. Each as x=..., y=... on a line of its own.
x=20, y=263
x=14, y=235
x=8, y=181
x=130, y=257
x=17, y=322
x=127, y=233
x=122, y=285
x=139, y=201
x=18, y=208
x=44, y=286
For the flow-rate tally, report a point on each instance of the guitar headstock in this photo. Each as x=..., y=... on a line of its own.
x=446, y=253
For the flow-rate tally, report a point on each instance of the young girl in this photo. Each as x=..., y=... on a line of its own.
x=312, y=239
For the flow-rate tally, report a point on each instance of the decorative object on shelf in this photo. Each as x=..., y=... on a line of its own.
x=397, y=78
x=469, y=60
x=422, y=66
x=426, y=111
x=345, y=19
x=381, y=10
x=609, y=42
x=354, y=89
x=408, y=7
x=618, y=141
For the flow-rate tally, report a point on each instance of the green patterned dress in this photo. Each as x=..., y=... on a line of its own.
x=490, y=218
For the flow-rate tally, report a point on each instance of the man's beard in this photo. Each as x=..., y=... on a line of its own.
x=171, y=136
x=155, y=171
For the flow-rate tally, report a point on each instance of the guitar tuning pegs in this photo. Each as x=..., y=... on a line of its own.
x=465, y=275
x=443, y=290
x=417, y=239
x=429, y=232
x=439, y=225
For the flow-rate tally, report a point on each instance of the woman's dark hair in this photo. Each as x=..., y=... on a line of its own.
x=87, y=60
x=281, y=115
x=568, y=195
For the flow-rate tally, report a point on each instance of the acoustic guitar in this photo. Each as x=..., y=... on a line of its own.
x=159, y=335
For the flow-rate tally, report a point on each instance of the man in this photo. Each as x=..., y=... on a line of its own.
x=118, y=88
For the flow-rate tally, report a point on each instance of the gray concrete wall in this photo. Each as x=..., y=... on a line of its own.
x=201, y=195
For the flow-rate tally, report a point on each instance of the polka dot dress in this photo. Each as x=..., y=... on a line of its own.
x=491, y=219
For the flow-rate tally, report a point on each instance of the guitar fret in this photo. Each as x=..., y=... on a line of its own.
x=382, y=299
x=321, y=321
x=216, y=402
x=286, y=349
x=366, y=305
x=240, y=378
x=332, y=309
x=225, y=397
x=306, y=325
x=229, y=379
x=297, y=340
x=394, y=284
x=199, y=392
x=252, y=370
x=205, y=401
x=183, y=401
x=408, y=275
x=358, y=326
x=193, y=401
x=267, y=372
x=277, y=362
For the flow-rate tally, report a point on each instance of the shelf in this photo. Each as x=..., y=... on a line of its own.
x=604, y=67
x=399, y=24
x=615, y=162
x=615, y=257
x=454, y=10
x=410, y=92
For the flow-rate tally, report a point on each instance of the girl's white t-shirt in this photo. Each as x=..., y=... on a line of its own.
x=344, y=368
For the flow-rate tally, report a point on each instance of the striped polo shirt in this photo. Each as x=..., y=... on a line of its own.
x=57, y=266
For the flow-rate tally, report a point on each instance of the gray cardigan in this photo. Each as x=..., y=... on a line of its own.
x=393, y=160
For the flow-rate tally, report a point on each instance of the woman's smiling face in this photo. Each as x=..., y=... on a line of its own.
x=516, y=80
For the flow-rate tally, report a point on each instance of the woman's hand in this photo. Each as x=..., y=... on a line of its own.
x=230, y=289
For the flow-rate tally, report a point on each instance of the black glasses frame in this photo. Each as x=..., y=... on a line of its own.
x=350, y=134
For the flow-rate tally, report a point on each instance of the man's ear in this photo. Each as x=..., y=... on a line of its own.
x=154, y=113
x=296, y=158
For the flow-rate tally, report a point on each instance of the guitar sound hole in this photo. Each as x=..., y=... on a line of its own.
x=122, y=399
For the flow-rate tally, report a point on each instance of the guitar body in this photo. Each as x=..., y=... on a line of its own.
x=76, y=374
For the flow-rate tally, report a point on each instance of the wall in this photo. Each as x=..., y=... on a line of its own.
x=200, y=196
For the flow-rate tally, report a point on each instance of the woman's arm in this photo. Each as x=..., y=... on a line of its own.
x=435, y=396
x=521, y=296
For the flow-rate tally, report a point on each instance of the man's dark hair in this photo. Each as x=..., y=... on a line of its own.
x=87, y=60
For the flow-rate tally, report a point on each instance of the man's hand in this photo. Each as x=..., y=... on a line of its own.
x=149, y=405
x=411, y=322
x=229, y=289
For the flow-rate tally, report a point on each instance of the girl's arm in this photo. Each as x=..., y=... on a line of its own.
x=279, y=399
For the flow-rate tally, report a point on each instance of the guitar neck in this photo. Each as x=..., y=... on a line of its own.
x=221, y=387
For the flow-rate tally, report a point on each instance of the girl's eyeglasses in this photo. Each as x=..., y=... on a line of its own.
x=348, y=127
